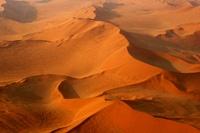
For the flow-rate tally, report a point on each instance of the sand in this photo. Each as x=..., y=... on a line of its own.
x=114, y=118
x=99, y=66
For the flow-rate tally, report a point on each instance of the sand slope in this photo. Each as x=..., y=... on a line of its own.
x=45, y=53
x=39, y=105
x=114, y=119
x=64, y=63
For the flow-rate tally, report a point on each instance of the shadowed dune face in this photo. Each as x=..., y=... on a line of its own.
x=173, y=57
x=64, y=63
x=29, y=90
x=195, y=3
x=67, y=90
x=20, y=11
x=190, y=42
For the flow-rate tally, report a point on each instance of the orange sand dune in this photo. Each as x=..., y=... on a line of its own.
x=62, y=62
x=172, y=57
x=115, y=118
x=75, y=45
x=130, y=72
x=1, y=3
x=143, y=43
x=148, y=16
x=167, y=95
x=41, y=15
x=40, y=104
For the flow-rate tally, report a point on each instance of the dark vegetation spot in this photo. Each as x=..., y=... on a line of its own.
x=107, y=11
x=20, y=11
x=44, y=1
x=170, y=34
x=194, y=3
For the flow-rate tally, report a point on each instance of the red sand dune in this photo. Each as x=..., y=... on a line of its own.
x=63, y=64
x=114, y=119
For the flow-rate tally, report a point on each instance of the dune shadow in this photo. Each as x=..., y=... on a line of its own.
x=139, y=48
x=147, y=106
x=68, y=91
x=44, y=1
x=165, y=108
x=20, y=11
x=107, y=12
x=194, y=3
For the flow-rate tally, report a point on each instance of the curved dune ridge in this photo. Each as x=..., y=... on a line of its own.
x=114, y=118
x=74, y=45
x=39, y=104
x=99, y=66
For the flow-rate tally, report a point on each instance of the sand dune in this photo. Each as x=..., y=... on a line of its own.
x=114, y=117
x=176, y=55
x=184, y=36
x=68, y=50
x=155, y=96
x=38, y=104
x=63, y=65
x=151, y=18
x=42, y=15
x=1, y=3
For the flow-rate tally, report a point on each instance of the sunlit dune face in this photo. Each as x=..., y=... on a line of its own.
x=1, y=4
x=99, y=66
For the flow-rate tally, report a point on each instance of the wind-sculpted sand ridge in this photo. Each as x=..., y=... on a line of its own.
x=37, y=104
x=112, y=116
x=63, y=67
x=148, y=48
x=39, y=53
x=163, y=96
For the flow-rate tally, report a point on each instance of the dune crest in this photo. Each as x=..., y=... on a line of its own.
x=99, y=66
x=119, y=113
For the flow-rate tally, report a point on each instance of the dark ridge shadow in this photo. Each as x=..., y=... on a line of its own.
x=44, y=1
x=194, y=3
x=172, y=4
x=151, y=58
x=67, y=90
x=146, y=55
x=20, y=11
x=106, y=12
x=182, y=79
x=146, y=106
x=192, y=41
x=31, y=89
x=164, y=108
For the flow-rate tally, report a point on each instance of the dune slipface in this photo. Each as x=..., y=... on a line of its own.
x=118, y=114
x=93, y=66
